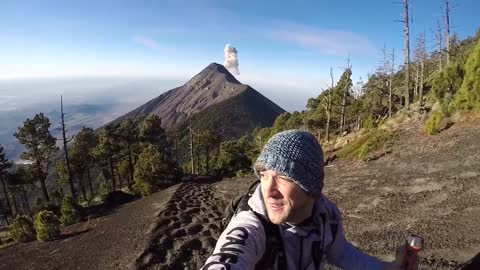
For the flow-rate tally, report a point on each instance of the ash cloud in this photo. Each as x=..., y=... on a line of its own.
x=231, y=59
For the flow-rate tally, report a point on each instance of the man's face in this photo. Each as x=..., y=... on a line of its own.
x=285, y=201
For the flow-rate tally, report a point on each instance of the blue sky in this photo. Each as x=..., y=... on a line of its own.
x=281, y=44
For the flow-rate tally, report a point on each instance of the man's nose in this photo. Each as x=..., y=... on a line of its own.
x=270, y=186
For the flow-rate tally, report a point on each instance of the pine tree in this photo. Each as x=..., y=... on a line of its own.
x=151, y=132
x=62, y=175
x=128, y=134
x=40, y=145
x=148, y=171
x=66, y=150
x=20, y=183
x=343, y=91
x=207, y=141
x=4, y=166
x=82, y=155
x=107, y=151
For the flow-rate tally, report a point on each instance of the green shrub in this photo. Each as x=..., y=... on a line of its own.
x=47, y=226
x=142, y=187
x=70, y=211
x=362, y=152
x=366, y=144
x=22, y=229
x=243, y=173
x=433, y=123
x=468, y=98
x=445, y=107
x=369, y=122
x=447, y=82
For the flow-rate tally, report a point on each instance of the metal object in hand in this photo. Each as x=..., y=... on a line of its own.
x=412, y=247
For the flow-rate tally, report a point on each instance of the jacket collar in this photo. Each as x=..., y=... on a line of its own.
x=320, y=212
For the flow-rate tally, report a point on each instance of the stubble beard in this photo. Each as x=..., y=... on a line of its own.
x=278, y=217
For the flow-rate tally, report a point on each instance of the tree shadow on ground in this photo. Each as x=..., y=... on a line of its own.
x=68, y=235
x=473, y=264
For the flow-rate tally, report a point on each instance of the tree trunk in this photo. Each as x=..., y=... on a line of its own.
x=65, y=150
x=130, y=166
x=90, y=183
x=176, y=154
x=329, y=107
x=15, y=206
x=121, y=179
x=417, y=83
x=390, y=87
x=42, y=177
x=439, y=38
x=4, y=213
x=191, y=148
x=5, y=193
x=112, y=172
x=207, y=159
x=198, y=158
x=407, y=56
x=25, y=198
x=422, y=75
x=342, y=119
x=447, y=30
x=82, y=186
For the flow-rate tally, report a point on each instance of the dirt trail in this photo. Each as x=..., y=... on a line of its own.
x=187, y=230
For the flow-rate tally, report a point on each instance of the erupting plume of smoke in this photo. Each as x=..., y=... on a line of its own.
x=231, y=59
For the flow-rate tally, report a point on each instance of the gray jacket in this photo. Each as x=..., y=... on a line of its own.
x=242, y=244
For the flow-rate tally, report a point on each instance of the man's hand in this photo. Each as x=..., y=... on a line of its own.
x=397, y=264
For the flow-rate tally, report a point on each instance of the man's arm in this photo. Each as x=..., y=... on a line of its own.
x=240, y=246
x=346, y=256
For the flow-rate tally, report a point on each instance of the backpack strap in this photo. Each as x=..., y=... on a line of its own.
x=273, y=246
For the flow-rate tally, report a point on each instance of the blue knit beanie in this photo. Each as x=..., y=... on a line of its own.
x=297, y=155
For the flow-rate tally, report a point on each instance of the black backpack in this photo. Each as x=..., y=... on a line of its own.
x=272, y=233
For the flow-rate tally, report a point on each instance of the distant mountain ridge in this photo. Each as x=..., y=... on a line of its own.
x=215, y=99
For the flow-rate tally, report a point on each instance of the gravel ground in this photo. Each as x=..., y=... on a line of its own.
x=113, y=241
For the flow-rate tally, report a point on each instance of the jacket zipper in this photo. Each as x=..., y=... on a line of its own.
x=301, y=253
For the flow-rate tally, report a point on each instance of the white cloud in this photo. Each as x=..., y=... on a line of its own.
x=329, y=42
x=7, y=103
x=146, y=42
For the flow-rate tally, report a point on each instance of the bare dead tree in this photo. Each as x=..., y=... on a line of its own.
x=390, y=83
x=344, y=100
x=384, y=70
x=191, y=147
x=447, y=30
x=328, y=106
x=406, y=30
x=407, y=55
x=65, y=149
x=439, y=39
x=422, y=57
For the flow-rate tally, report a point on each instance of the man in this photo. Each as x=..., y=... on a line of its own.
x=290, y=168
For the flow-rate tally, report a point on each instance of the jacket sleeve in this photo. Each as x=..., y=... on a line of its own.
x=346, y=256
x=240, y=246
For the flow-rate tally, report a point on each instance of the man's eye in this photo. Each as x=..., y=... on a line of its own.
x=284, y=178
